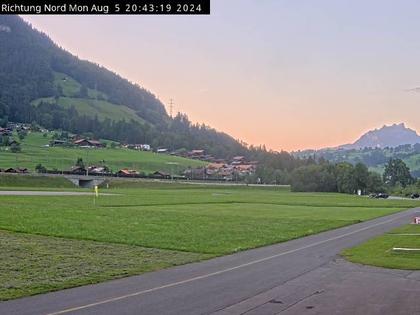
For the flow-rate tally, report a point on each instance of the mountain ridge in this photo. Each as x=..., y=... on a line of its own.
x=387, y=136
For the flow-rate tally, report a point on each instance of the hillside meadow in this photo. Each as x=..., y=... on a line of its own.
x=35, y=152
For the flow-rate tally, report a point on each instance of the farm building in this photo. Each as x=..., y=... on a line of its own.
x=161, y=175
x=89, y=143
x=127, y=173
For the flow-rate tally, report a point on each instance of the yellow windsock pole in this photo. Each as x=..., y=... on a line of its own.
x=96, y=195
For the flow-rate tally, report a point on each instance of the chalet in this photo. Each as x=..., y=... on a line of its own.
x=78, y=170
x=245, y=169
x=127, y=173
x=98, y=170
x=86, y=143
x=140, y=147
x=196, y=154
x=214, y=168
x=160, y=175
x=237, y=160
x=10, y=170
x=20, y=170
x=5, y=132
x=56, y=142
x=207, y=158
x=145, y=147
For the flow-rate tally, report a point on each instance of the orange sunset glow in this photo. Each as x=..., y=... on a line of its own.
x=285, y=74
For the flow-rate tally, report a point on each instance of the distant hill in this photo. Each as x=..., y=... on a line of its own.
x=387, y=136
x=375, y=148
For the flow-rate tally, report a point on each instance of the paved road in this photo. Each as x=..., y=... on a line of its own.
x=46, y=193
x=303, y=276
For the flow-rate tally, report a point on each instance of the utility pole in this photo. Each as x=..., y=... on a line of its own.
x=171, y=107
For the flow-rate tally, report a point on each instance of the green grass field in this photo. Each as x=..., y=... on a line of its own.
x=22, y=182
x=195, y=220
x=33, y=264
x=92, y=107
x=35, y=152
x=378, y=251
x=95, y=103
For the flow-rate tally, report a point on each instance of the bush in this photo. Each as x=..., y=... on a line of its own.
x=40, y=168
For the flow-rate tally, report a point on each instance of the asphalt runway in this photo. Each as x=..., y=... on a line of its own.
x=302, y=276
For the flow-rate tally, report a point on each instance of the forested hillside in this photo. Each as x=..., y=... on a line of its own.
x=41, y=82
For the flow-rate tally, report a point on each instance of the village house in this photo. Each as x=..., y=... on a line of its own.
x=245, y=169
x=20, y=170
x=5, y=132
x=86, y=143
x=139, y=147
x=127, y=173
x=214, y=168
x=196, y=154
x=56, y=142
x=78, y=170
x=160, y=175
x=98, y=170
x=237, y=160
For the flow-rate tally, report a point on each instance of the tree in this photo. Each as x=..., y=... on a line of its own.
x=341, y=177
x=22, y=134
x=397, y=172
x=80, y=162
x=361, y=175
x=83, y=92
x=374, y=183
x=314, y=178
x=5, y=140
x=15, y=148
x=346, y=182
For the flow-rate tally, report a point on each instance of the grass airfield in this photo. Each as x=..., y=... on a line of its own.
x=379, y=251
x=145, y=226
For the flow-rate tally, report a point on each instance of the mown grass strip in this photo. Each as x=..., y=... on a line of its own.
x=32, y=264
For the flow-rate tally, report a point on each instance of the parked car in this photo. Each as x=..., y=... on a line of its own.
x=415, y=196
x=382, y=196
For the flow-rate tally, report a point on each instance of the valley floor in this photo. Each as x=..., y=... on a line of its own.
x=151, y=226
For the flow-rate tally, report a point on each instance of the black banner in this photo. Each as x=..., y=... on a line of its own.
x=101, y=7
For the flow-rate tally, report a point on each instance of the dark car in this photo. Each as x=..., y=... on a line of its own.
x=382, y=196
x=415, y=196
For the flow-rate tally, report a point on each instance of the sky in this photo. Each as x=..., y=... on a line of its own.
x=288, y=74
